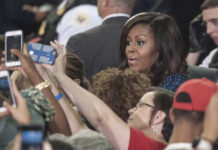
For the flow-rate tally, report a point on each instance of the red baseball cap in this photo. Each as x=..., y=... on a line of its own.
x=198, y=91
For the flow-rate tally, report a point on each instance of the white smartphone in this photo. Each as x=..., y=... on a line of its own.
x=6, y=93
x=13, y=40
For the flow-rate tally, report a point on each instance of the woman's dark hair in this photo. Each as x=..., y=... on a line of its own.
x=168, y=42
x=75, y=70
x=163, y=100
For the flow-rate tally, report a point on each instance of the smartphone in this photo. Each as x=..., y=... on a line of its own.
x=42, y=53
x=32, y=137
x=13, y=40
x=6, y=93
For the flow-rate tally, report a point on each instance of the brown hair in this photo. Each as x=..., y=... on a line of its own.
x=120, y=90
x=209, y=4
x=75, y=70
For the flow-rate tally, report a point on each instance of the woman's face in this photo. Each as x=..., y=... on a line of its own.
x=140, y=49
x=140, y=115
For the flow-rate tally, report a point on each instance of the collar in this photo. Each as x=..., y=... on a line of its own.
x=178, y=146
x=115, y=15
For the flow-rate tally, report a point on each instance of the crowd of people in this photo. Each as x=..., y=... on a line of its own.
x=119, y=81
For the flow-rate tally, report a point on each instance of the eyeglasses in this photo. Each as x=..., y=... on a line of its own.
x=139, y=104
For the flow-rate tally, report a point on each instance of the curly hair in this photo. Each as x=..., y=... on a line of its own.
x=120, y=89
x=167, y=41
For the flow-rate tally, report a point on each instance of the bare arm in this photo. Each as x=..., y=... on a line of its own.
x=210, y=128
x=97, y=112
x=72, y=116
x=59, y=124
x=192, y=58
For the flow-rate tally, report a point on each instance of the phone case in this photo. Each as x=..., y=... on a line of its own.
x=42, y=53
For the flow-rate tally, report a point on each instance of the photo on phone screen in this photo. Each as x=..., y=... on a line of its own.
x=13, y=40
x=6, y=93
x=32, y=137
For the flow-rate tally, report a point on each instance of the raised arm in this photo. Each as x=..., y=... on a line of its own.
x=94, y=109
x=72, y=116
x=59, y=124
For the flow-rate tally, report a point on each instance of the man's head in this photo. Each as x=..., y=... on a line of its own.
x=210, y=17
x=107, y=7
x=191, y=100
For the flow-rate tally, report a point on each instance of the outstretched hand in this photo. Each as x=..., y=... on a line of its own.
x=60, y=63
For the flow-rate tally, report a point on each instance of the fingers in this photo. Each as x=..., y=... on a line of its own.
x=4, y=114
x=9, y=107
x=17, y=53
x=55, y=46
x=25, y=49
x=59, y=47
x=18, y=96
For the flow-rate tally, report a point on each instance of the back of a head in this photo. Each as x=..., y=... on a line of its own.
x=209, y=4
x=167, y=41
x=75, y=70
x=60, y=145
x=89, y=140
x=120, y=90
x=124, y=4
x=192, y=98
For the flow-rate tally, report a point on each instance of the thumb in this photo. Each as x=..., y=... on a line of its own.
x=17, y=53
x=9, y=107
x=16, y=92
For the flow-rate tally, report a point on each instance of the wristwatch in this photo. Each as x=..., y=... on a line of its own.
x=42, y=85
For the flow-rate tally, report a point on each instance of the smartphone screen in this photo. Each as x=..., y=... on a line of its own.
x=32, y=138
x=13, y=42
x=5, y=92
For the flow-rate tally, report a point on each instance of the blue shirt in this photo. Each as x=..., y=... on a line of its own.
x=172, y=82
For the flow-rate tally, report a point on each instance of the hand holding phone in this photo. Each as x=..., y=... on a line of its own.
x=13, y=40
x=8, y=93
x=42, y=53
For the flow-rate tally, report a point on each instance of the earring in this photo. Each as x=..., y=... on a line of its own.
x=155, y=129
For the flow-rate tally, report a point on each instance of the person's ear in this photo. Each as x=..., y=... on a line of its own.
x=105, y=3
x=78, y=81
x=172, y=116
x=159, y=117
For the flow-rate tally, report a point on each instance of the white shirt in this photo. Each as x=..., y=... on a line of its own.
x=116, y=15
x=76, y=20
x=179, y=146
x=207, y=60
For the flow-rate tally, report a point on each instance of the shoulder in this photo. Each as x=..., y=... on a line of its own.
x=82, y=39
x=172, y=82
x=139, y=141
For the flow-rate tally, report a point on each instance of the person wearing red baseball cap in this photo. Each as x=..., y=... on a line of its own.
x=187, y=114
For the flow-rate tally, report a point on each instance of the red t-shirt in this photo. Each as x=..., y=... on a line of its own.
x=138, y=141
